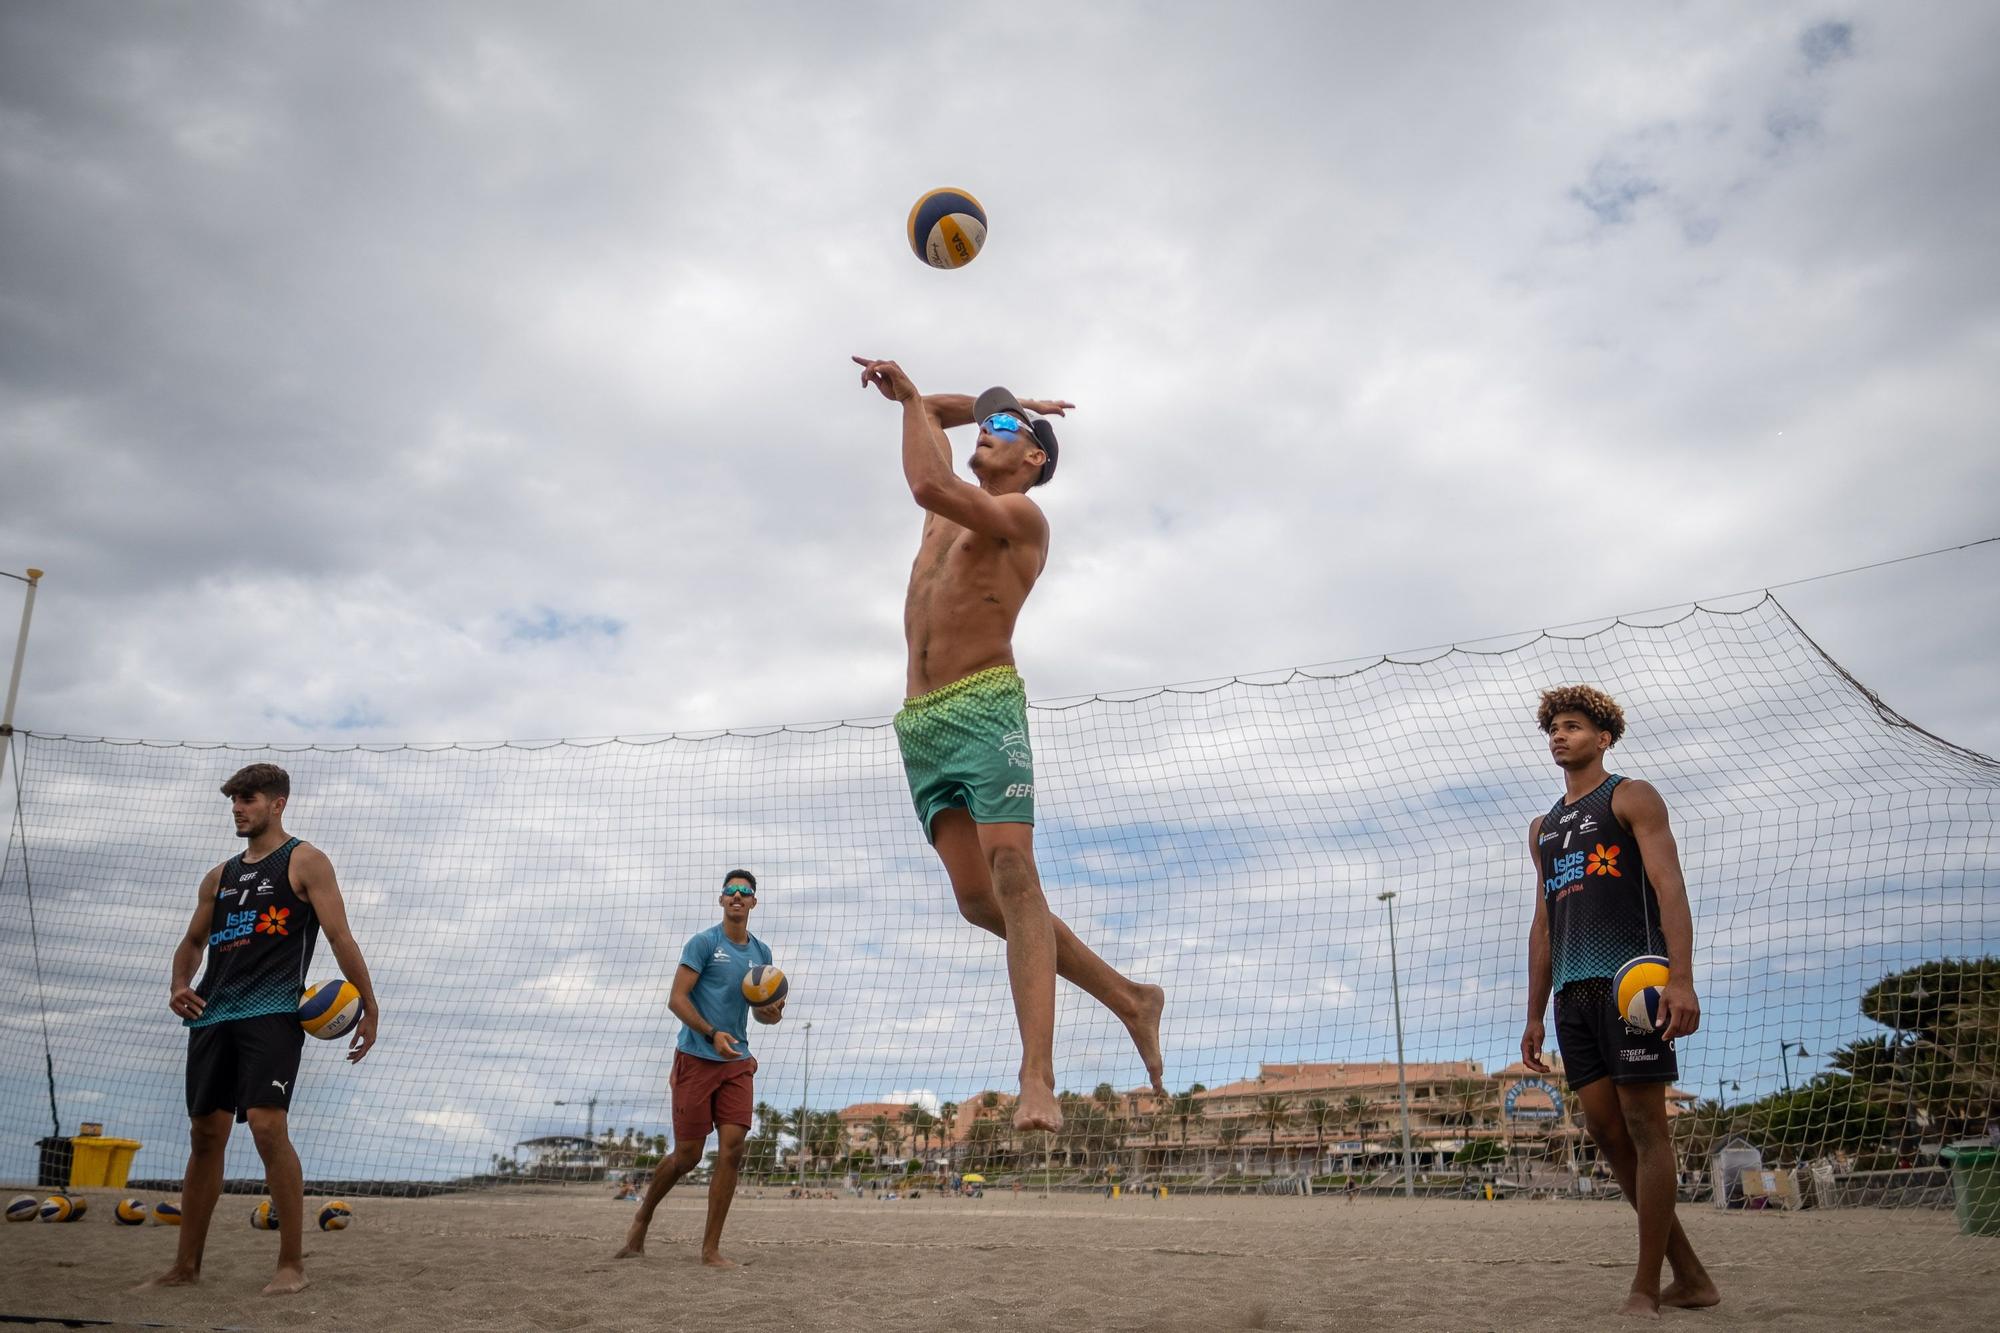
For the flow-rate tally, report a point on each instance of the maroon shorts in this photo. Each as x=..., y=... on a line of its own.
x=708, y=1093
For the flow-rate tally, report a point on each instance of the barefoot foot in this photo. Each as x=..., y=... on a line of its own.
x=1638, y=1305
x=1037, y=1108
x=286, y=1281
x=1144, y=1026
x=1697, y=1295
x=631, y=1251
x=709, y=1260
x=176, y=1276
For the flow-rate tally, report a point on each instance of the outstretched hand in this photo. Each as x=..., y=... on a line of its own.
x=1048, y=407
x=887, y=376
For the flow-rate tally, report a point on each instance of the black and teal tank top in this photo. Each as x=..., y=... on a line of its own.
x=260, y=941
x=1602, y=911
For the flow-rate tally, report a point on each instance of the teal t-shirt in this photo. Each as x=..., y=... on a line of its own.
x=720, y=964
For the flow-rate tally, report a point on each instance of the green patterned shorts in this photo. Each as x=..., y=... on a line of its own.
x=966, y=745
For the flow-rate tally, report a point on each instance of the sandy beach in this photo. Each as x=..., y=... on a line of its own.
x=528, y=1259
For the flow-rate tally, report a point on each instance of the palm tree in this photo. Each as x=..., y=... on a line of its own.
x=1186, y=1107
x=948, y=1130
x=1319, y=1114
x=1467, y=1097
x=1227, y=1135
x=885, y=1135
x=1274, y=1113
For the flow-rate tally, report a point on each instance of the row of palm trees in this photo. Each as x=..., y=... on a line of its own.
x=1099, y=1126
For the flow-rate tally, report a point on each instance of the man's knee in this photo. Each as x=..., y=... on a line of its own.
x=978, y=907
x=1013, y=871
x=270, y=1127
x=209, y=1133
x=1609, y=1134
x=732, y=1153
x=687, y=1155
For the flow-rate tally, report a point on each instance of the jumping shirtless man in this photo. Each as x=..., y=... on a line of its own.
x=964, y=725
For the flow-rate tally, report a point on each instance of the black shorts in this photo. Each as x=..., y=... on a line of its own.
x=242, y=1063
x=1596, y=1040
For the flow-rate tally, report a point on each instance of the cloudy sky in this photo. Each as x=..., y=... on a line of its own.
x=447, y=372
x=466, y=372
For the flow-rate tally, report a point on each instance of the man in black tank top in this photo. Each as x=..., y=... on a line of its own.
x=1609, y=889
x=256, y=921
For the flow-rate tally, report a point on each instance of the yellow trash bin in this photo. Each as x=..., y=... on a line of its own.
x=101, y=1163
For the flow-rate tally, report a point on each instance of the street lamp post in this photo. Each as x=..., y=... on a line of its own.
x=805, y=1108
x=1402, y=1082
x=1785, y=1053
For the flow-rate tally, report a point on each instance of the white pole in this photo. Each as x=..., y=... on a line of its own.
x=805, y=1108
x=14, y=681
x=1402, y=1083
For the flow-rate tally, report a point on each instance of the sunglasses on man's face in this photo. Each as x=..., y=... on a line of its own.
x=1004, y=423
x=739, y=890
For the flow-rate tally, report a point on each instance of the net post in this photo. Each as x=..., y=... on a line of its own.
x=14, y=680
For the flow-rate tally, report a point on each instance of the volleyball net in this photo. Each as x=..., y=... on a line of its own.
x=523, y=907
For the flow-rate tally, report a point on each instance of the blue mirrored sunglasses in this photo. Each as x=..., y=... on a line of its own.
x=1004, y=423
x=741, y=890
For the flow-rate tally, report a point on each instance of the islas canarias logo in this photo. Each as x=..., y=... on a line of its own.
x=1603, y=861
x=272, y=922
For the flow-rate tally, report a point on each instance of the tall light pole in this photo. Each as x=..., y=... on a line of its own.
x=1785, y=1052
x=1402, y=1081
x=805, y=1108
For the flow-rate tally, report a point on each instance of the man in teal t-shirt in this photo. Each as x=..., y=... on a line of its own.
x=713, y=1068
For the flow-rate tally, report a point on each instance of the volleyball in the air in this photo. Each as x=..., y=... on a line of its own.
x=764, y=984
x=1638, y=985
x=335, y=1216
x=131, y=1212
x=264, y=1217
x=947, y=228
x=23, y=1208
x=64, y=1208
x=330, y=1009
x=167, y=1214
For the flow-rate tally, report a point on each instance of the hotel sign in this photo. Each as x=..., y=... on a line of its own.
x=1533, y=1108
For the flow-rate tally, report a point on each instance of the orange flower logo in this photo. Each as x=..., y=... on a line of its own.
x=1603, y=861
x=273, y=920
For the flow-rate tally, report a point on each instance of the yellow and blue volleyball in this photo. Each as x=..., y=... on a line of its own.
x=131, y=1212
x=167, y=1214
x=335, y=1216
x=264, y=1217
x=330, y=1009
x=1638, y=984
x=23, y=1208
x=62, y=1208
x=764, y=984
x=947, y=228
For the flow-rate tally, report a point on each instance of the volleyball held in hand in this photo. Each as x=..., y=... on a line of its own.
x=335, y=1216
x=330, y=1009
x=764, y=984
x=947, y=228
x=1638, y=985
x=131, y=1212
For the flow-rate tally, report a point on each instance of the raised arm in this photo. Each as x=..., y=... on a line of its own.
x=315, y=882
x=1540, y=976
x=1639, y=806
x=188, y=954
x=927, y=468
